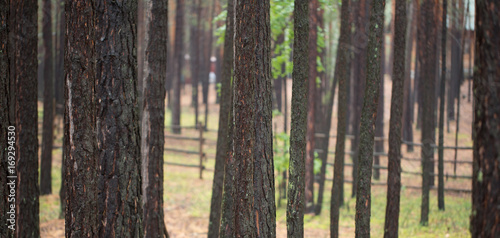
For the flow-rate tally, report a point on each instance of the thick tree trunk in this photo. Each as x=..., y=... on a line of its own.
x=178, y=62
x=119, y=175
x=223, y=139
x=254, y=208
x=296, y=183
x=23, y=92
x=342, y=72
x=368, y=117
x=80, y=143
x=398, y=81
x=485, y=218
x=48, y=102
x=153, y=116
x=428, y=59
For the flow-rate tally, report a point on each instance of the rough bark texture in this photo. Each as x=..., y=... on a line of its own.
x=485, y=218
x=254, y=209
x=368, y=116
x=48, y=102
x=398, y=81
x=441, y=110
x=225, y=119
x=153, y=116
x=360, y=39
x=428, y=59
x=178, y=62
x=313, y=75
x=80, y=143
x=342, y=73
x=119, y=175
x=23, y=92
x=6, y=119
x=296, y=183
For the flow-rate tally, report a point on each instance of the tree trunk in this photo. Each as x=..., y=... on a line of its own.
x=379, y=121
x=428, y=59
x=279, y=80
x=408, y=95
x=59, y=69
x=6, y=120
x=225, y=121
x=48, y=103
x=296, y=183
x=81, y=159
x=195, y=57
x=254, y=208
x=368, y=117
x=342, y=72
x=119, y=175
x=398, y=81
x=23, y=92
x=153, y=116
x=441, y=110
x=311, y=101
x=485, y=219
x=178, y=62
x=359, y=75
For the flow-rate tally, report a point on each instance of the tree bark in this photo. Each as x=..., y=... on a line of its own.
x=398, y=81
x=254, y=209
x=368, y=117
x=485, y=218
x=379, y=121
x=296, y=203
x=342, y=72
x=23, y=78
x=6, y=118
x=80, y=142
x=48, y=102
x=119, y=175
x=311, y=101
x=59, y=68
x=225, y=121
x=441, y=110
x=428, y=59
x=195, y=57
x=153, y=116
x=360, y=39
x=178, y=62
x=408, y=94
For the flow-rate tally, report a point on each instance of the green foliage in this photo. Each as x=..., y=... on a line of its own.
x=281, y=155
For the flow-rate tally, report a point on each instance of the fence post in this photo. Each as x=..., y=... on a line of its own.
x=200, y=128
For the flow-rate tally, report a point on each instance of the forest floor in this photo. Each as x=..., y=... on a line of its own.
x=187, y=198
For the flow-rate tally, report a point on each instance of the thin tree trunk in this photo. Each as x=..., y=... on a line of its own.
x=178, y=62
x=23, y=92
x=279, y=80
x=379, y=121
x=441, y=110
x=296, y=203
x=153, y=116
x=394, y=164
x=80, y=159
x=342, y=72
x=311, y=101
x=6, y=121
x=195, y=57
x=428, y=61
x=59, y=69
x=368, y=117
x=408, y=107
x=119, y=175
x=485, y=218
x=223, y=139
x=48, y=102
